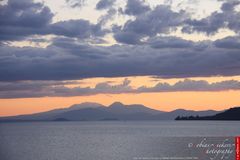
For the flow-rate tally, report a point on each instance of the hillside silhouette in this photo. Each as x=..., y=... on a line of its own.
x=230, y=114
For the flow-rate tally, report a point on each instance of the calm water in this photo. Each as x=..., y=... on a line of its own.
x=104, y=140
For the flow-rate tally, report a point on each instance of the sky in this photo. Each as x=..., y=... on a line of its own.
x=164, y=54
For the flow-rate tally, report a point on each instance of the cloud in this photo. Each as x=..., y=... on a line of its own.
x=209, y=25
x=192, y=85
x=145, y=47
x=107, y=88
x=30, y=18
x=169, y=42
x=128, y=37
x=110, y=14
x=80, y=50
x=30, y=89
x=229, y=6
x=228, y=42
x=20, y=19
x=159, y=20
x=32, y=85
x=227, y=18
x=136, y=7
x=75, y=3
x=67, y=59
x=77, y=28
x=105, y=4
x=107, y=17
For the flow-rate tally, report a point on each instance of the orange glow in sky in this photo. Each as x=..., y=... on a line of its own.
x=162, y=101
x=165, y=101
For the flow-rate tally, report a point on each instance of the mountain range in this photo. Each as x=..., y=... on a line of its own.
x=98, y=112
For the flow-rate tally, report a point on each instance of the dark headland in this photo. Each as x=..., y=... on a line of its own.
x=232, y=114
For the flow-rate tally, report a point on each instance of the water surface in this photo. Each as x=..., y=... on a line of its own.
x=106, y=140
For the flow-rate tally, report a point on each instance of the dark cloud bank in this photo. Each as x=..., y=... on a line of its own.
x=141, y=50
x=66, y=59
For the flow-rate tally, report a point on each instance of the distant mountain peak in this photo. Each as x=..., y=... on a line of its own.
x=91, y=104
x=86, y=105
x=180, y=110
x=117, y=104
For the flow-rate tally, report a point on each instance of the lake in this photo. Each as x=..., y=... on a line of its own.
x=110, y=140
